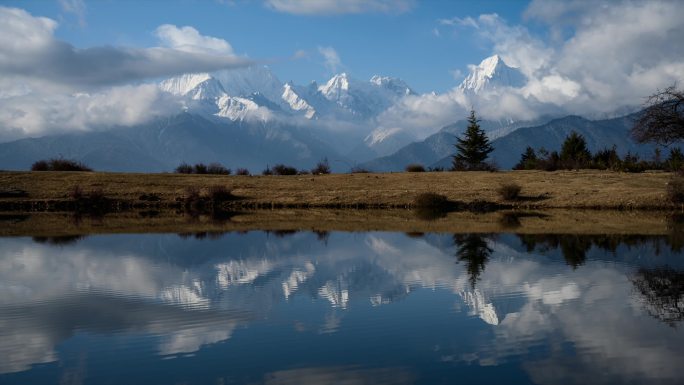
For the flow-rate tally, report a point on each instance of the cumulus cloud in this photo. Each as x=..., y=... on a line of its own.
x=332, y=59
x=29, y=50
x=335, y=7
x=188, y=39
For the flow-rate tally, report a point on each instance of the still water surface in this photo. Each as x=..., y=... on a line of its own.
x=341, y=308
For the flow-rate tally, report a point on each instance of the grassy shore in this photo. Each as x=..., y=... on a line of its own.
x=540, y=190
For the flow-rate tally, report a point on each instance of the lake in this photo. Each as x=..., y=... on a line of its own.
x=288, y=307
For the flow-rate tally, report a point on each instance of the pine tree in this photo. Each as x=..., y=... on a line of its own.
x=574, y=152
x=528, y=160
x=473, y=148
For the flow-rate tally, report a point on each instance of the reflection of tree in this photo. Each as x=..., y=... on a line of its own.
x=573, y=247
x=663, y=293
x=474, y=252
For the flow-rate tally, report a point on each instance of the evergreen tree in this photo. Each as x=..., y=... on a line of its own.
x=473, y=148
x=528, y=160
x=574, y=152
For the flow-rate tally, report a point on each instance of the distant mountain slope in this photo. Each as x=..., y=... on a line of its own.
x=164, y=143
x=436, y=146
x=599, y=134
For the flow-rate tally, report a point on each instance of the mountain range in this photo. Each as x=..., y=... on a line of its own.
x=249, y=118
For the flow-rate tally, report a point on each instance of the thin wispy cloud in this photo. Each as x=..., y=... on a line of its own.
x=331, y=58
x=76, y=8
x=336, y=7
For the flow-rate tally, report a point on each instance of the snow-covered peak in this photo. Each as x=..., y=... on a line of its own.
x=337, y=85
x=394, y=85
x=296, y=102
x=182, y=85
x=492, y=73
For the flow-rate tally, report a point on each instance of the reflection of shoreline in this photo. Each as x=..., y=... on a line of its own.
x=523, y=222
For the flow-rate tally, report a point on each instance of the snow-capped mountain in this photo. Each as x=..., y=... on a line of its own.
x=296, y=102
x=237, y=93
x=492, y=73
x=364, y=99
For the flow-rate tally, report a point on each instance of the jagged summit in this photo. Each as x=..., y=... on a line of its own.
x=394, y=85
x=492, y=73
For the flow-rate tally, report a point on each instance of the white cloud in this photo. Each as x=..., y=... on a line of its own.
x=29, y=52
x=601, y=57
x=188, y=39
x=332, y=59
x=36, y=114
x=48, y=86
x=336, y=7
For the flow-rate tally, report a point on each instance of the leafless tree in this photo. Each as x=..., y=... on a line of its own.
x=662, y=120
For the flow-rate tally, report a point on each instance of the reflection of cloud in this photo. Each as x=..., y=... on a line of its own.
x=346, y=375
x=29, y=333
x=105, y=285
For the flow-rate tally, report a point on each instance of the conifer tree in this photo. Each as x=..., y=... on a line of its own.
x=473, y=148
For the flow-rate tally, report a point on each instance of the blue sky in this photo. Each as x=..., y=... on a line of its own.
x=401, y=44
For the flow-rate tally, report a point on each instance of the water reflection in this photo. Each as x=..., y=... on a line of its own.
x=305, y=307
x=474, y=252
x=662, y=292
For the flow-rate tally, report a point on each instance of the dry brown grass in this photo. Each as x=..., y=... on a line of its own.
x=560, y=189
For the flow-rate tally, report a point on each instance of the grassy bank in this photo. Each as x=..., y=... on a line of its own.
x=540, y=190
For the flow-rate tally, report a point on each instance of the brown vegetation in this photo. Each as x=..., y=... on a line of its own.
x=559, y=189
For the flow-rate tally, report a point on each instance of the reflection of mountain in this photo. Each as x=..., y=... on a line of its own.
x=189, y=293
x=662, y=292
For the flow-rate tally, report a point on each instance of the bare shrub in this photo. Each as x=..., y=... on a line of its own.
x=432, y=201
x=184, y=168
x=242, y=171
x=58, y=164
x=281, y=169
x=675, y=190
x=415, y=167
x=322, y=167
x=200, y=168
x=509, y=191
x=218, y=169
x=220, y=193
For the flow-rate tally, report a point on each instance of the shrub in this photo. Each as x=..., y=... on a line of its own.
x=675, y=190
x=415, y=167
x=200, y=168
x=509, y=191
x=184, y=168
x=321, y=168
x=242, y=171
x=58, y=164
x=267, y=171
x=432, y=201
x=40, y=165
x=281, y=169
x=436, y=169
x=218, y=169
x=220, y=193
